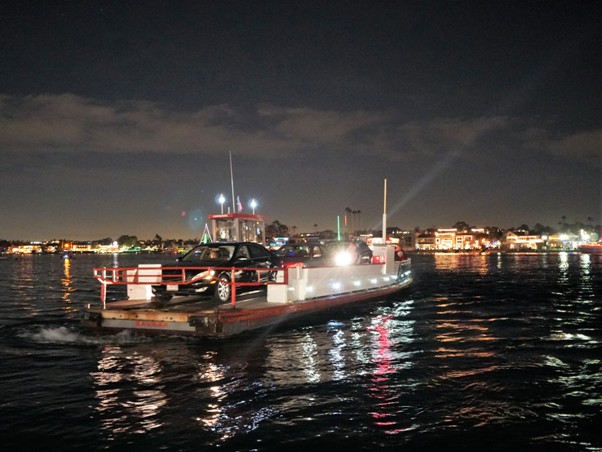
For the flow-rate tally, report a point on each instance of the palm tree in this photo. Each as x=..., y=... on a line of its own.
x=347, y=212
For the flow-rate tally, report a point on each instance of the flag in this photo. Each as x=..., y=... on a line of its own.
x=238, y=204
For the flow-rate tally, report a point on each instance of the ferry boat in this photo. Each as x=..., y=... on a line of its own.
x=295, y=292
x=591, y=248
x=271, y=296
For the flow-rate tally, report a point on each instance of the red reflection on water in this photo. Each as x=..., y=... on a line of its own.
x=385, y=410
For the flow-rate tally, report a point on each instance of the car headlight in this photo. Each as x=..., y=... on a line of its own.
x=207, y=274
x=343, y=258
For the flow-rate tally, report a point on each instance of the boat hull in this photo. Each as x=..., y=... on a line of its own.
x=595, y=248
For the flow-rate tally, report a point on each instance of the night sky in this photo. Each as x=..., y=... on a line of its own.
x=119, y=117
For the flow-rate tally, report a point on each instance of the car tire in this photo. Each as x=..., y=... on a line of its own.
x=161, y=297
x=223, y=289
x=273, y=274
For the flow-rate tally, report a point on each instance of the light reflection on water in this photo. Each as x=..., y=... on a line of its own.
x=128, y=411
x=500, y=349
x=67, y=283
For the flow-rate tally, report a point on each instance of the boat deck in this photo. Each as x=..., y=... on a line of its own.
x=186, y=304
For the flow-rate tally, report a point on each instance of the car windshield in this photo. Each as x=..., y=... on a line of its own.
x=301, y=251
x=294, y=251
x=205, y=253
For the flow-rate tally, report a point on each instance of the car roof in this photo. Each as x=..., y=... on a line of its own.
x=347, y=241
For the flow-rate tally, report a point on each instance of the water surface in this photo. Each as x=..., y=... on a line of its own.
x=483, y=352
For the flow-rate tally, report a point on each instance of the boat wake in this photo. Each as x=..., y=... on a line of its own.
x=66, y=335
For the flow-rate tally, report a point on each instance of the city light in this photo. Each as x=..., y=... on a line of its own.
x=253, y=205
x=222, y=200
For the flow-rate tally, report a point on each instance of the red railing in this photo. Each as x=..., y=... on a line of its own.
x=151, y=275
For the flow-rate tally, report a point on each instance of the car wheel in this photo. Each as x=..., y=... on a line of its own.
x=161, y=296
x=222, y=289
x=273, y=274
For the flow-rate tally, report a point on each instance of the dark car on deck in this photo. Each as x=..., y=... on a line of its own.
x=207, y=269
x=303, y=254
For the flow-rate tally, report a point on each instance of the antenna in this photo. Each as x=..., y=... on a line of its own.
x=385, y=214
x=232, y=182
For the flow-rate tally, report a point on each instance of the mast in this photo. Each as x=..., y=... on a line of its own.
x=385, y=214
x=232, y=183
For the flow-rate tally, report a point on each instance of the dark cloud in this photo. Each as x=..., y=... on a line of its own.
x=70, y=123
x=122, y=115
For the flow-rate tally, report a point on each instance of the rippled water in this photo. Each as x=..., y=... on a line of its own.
x=483, y=353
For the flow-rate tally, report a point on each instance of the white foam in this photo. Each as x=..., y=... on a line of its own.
x=64, y=335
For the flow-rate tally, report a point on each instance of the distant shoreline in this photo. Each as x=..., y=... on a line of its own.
x=478, y=252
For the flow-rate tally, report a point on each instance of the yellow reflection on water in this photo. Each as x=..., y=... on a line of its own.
x=214, y=373
x=22, y=279
x=132, y=410
x=563, y=266
x=482, y=414
x=467, y=361
x=475, y=262
x=467, y=358
x=67, y=282
x=585, y=262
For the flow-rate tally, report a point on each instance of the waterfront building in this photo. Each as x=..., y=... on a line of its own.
x=452, y=239
x=25, y=249
x=563, y=241
x=522, y=240
x=425, y=241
